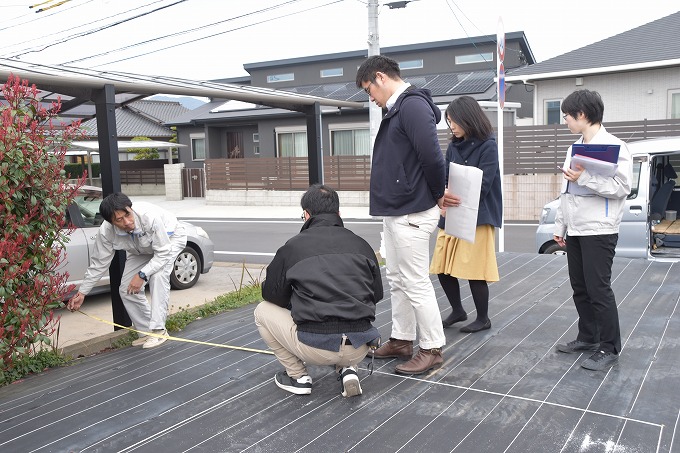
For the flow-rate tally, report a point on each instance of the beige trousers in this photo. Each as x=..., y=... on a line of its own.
x=279, y=331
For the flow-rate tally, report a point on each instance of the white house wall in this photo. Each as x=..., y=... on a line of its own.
x=629, y=96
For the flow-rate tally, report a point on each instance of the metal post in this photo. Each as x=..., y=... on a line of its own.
x=314, y=150
x=374, y=112
x=105, y=105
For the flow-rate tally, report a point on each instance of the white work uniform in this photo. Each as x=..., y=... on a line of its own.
x=151, y=248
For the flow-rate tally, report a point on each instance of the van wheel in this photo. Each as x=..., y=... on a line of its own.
x=186, y=269
x=555, y=249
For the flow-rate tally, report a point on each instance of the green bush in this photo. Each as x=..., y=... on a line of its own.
x=34, y=194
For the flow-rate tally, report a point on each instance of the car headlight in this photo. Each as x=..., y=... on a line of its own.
x=201, y=232
x=544, y=215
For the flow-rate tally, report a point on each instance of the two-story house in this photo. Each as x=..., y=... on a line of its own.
x=228, y=129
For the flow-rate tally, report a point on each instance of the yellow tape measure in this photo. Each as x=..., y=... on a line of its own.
x=186, y=340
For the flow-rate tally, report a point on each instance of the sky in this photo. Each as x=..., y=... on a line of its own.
x=209, y=39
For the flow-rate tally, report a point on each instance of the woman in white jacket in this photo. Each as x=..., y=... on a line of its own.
x=587, y=221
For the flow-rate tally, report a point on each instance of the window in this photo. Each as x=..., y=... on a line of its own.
x=197, y=146
x=334, y=72
x=291, y=142
x=280, y=78
x=674, y=104
x=256, y=137
x=475, y=58
x=256, y=150
x=411, y=64
x=350, y=140
x=553, y=114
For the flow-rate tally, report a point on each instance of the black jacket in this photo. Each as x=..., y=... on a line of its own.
x=327, y=276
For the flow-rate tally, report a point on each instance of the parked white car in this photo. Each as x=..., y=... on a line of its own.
x=83, y=214
x=648, y=229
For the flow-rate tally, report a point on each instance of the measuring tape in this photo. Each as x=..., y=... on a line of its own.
x=186, y=340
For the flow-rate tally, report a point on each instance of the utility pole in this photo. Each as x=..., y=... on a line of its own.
x=374, y=112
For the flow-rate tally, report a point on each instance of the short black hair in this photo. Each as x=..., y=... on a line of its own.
x=320, y=199
x=466, y=112
x=377, y=63
x=586, y=101
x=115, y=202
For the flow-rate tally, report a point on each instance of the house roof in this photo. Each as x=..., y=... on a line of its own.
x=142, y=119
x=478, y=84
x=395, y=50
x=652, y=45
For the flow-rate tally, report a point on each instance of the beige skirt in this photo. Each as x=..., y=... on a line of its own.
x=461, y=259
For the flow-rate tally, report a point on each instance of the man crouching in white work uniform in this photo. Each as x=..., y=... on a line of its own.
x=152, y=238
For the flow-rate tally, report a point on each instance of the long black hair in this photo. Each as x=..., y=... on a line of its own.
x=466, y=112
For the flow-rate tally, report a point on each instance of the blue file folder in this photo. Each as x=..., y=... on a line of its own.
x=607, y=153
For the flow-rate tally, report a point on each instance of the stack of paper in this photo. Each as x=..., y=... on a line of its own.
x=466, y=182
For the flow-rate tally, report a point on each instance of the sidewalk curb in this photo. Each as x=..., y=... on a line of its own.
x=93, y=346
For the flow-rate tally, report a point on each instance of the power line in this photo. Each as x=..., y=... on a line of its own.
x=216, y=34
x=80, y=26
x=104, y=28
x=45, y=16
x=183, y=32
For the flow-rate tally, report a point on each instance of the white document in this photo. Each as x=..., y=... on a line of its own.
x=594, y=166
x=466, y=182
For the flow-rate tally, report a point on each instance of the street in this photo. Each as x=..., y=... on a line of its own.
x=255, y=241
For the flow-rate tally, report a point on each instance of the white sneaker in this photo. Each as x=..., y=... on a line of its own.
x=350, y=381
x=152, y=342
x=140, y=341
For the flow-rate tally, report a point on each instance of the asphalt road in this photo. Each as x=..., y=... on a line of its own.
x=255, y=241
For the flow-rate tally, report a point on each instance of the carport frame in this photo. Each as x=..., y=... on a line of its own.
x=87, y=88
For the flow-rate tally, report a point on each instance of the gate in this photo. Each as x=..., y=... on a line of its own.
x=193, y=182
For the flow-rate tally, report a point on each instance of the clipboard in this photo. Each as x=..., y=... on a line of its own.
x=607, y=153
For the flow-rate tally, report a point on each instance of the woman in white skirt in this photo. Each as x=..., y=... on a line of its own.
x=472, y=144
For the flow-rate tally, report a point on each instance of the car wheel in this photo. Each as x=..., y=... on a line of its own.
x=187, y=269
x=555, y=249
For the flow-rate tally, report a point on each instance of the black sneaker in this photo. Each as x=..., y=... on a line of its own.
x=600, y=361
x=299, y=386
x=577, y=346
x=350, y=381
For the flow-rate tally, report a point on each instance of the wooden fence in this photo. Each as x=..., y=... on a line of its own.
x=527, y=150
x=538, y=149
x=287, y=173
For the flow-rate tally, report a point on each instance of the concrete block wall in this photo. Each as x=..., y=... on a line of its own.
x=275, y=198
x=173, y=182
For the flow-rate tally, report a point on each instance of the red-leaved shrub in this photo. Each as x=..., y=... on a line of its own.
x=34, y=195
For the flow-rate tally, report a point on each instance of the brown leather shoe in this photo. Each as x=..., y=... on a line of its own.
x=425, y=360
x=401, y=349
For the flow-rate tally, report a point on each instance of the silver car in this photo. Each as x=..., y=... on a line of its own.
x=83, y=214
x=648, y=228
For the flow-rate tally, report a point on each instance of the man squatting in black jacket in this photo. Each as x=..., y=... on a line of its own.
x=319, y=297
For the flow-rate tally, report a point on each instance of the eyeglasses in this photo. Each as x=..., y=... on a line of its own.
x=367, y=88
x=564, y=117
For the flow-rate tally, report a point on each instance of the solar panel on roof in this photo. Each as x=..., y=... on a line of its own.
x=476, y=82
x=441, y=84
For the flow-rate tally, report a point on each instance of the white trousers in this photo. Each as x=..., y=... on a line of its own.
x=407, y=256
x=147, y=315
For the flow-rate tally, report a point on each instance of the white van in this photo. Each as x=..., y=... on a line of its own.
x=648, y=227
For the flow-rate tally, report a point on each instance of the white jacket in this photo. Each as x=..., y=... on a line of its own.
x=154, y=229
x=600, y=213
